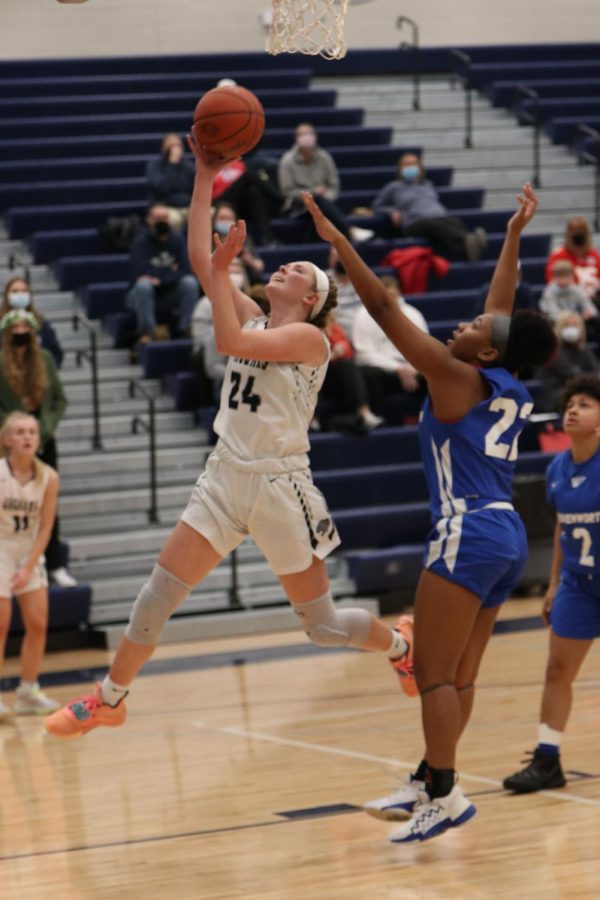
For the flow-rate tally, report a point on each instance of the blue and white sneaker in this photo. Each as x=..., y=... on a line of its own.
x=399, y=804
x=435, y=817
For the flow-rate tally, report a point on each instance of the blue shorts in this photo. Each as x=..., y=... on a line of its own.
x=484, y=552
x=575, y=611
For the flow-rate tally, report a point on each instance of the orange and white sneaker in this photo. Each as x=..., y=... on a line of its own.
x=404, y=666
x=81, y=715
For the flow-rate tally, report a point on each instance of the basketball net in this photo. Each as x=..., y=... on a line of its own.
x=312, y=27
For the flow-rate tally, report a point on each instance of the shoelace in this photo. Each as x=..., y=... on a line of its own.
x=90, y=702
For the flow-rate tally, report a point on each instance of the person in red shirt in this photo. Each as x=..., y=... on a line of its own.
x=579, y=251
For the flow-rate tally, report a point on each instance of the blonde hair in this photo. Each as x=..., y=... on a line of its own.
x=563, y=318
x=26, y=375
x=8, y=423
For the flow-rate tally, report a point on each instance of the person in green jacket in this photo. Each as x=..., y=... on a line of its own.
x=29, y=382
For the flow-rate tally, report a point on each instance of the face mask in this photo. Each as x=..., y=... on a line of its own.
x=162, y=229
x=340, y=268
x=20, y=339
x=306, y=140
x=579, y=238
x=237, y=279
x=571, y=334
x=410, y=173
x=223, y=227
x=19, y=299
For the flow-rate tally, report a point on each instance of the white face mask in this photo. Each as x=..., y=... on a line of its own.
x=571, y=334
x=237, y=279
x=306, y=139
x=19, y=300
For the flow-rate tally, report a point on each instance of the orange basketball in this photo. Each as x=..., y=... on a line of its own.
x=228, y=121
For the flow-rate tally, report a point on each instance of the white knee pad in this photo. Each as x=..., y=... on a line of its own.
x=328, y=626
x=156, y=602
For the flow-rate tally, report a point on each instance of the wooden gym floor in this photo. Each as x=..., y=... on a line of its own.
x=242, y=766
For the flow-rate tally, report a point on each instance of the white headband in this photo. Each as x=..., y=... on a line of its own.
x=322, y=289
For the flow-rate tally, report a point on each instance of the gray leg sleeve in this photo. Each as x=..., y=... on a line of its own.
x=328, y=626
x=156, y=602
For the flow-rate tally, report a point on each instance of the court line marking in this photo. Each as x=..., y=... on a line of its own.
x=369, y=757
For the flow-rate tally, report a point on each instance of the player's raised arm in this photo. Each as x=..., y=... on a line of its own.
x=501, y=295
x=200, y=230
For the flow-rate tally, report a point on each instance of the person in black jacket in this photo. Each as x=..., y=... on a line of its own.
x=574, y=357
x=17, y=294
x=171, y=180
x=162, y=286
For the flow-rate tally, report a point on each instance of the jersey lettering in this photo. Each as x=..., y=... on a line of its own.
x=21, y=523
x=583, y=535
x=510, y=411
x=248, y=397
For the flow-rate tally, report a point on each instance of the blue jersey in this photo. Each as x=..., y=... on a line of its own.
x=573, y=489
x=470, y=463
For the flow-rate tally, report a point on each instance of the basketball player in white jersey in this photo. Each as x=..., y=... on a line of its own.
x=257, y=481
x=28, y=496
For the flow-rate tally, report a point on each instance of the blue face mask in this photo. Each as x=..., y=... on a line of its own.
x=223, y=228
x=19, y=300
x=410, y=173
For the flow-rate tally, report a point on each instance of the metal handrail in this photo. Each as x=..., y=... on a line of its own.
x=464, y=79
x=593, y=158
x=405, y=20
x=150, y=428
x=91, y=354
x=536, y=120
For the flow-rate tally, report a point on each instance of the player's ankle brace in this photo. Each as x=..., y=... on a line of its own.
x=162, y=594
x=328, y=626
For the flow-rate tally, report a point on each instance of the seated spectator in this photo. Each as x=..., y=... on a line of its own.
x=345, y=385
x=348, y=300
x=578, y=249
x=563, y=295
x=29, y=383
x=574, y=357
x=171, y=180
x=224, y=216
x=385, y=369
x=413, y=208
x=18, y=295
x=309, y=167
x=162, y=284
x=251, y=194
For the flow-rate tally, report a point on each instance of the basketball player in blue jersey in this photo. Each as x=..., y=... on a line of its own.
x=470, y=426
x=257, y=481
x=572, y=603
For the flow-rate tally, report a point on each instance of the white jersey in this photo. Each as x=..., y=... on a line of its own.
x=20, y=505
x=265, y=411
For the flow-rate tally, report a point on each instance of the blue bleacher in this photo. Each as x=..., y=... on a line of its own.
x=68, y=609
x=502, y=93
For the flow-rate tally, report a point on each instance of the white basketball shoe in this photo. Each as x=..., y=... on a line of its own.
x=435, y=817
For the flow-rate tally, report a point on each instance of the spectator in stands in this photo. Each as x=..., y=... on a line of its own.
x=574, y=357
x=162, y=284
x=385, y=369
x=345, y=385
x=562, y=294
x=224, y=216
x=28, y=495
x=414, y=209
x=578, y=249
x=171, y=180
x=309, y=167
x=29, y=383
x=18, y=295
x=348, y=300
x=251, y=194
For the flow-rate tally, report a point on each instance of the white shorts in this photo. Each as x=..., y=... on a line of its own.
x=284, y=513
x=12, y=556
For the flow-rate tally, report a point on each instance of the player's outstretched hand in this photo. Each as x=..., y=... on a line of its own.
x=527, y=207
x=325, y=229
x=210, y=162
x=231, y=247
